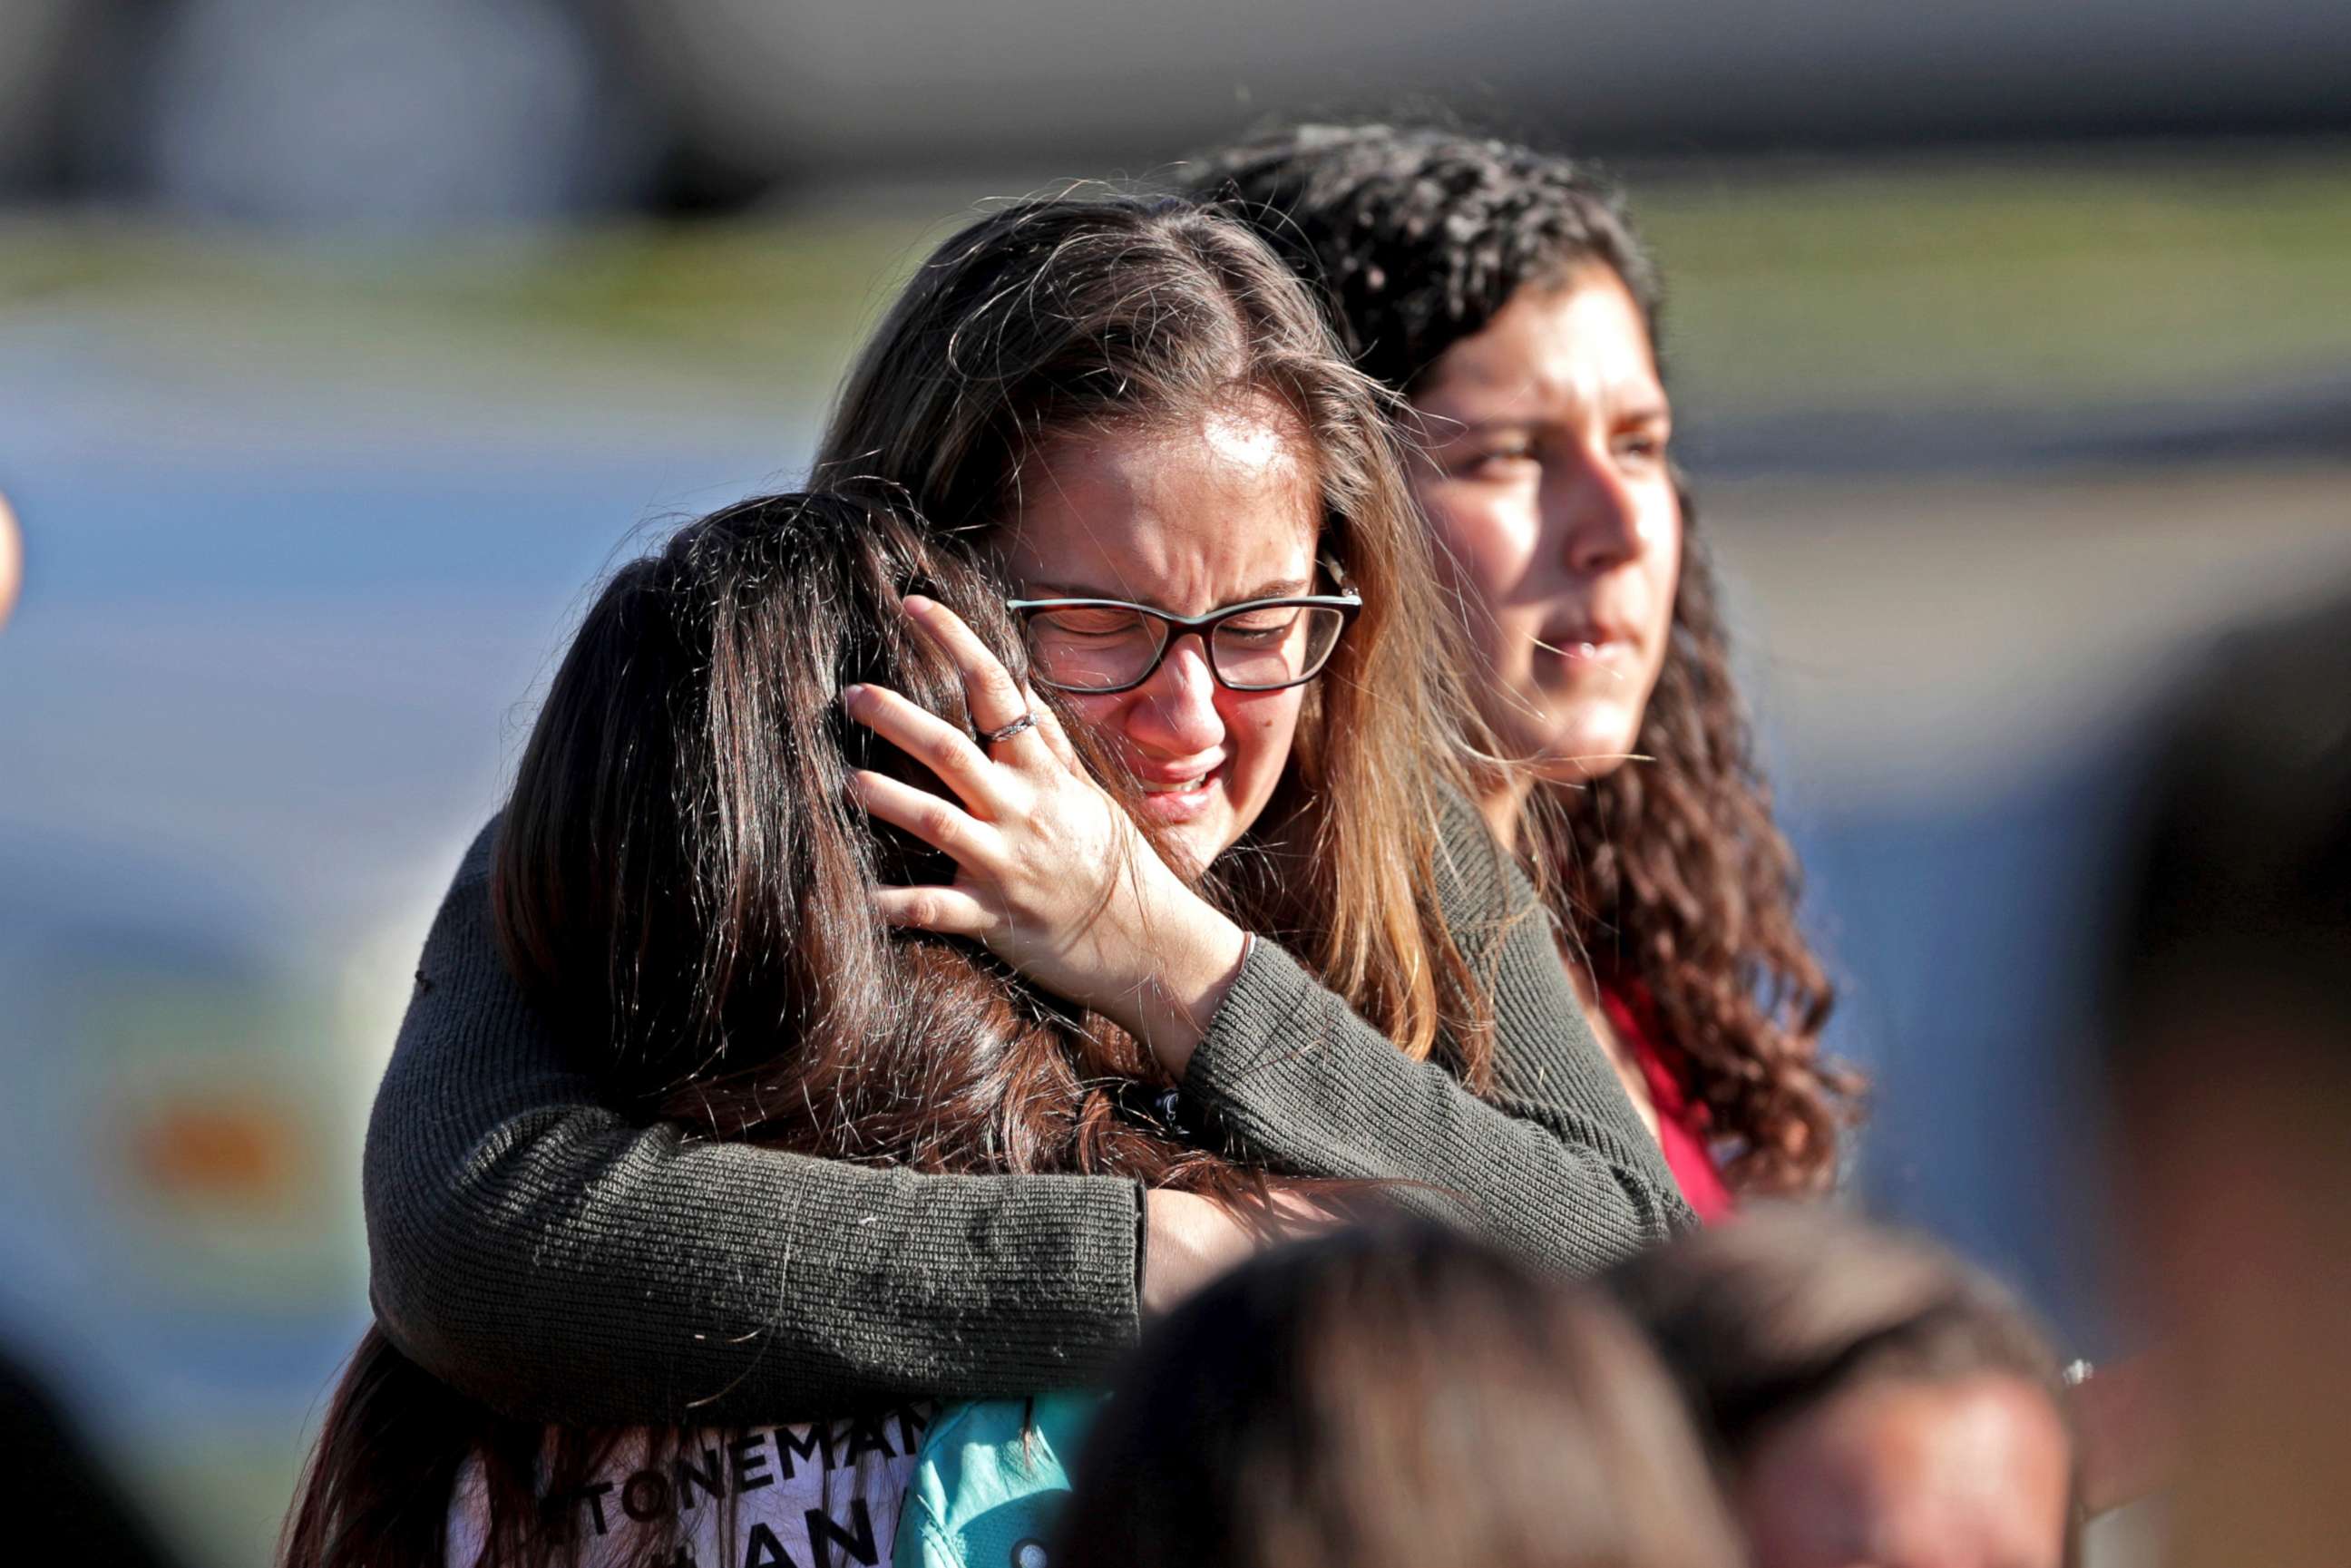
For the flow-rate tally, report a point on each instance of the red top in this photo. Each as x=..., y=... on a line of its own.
x=1683, y=1123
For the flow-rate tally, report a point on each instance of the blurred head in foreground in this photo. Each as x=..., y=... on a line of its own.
x=2230, y=1063
x=11, y=560
x=1379, y=1401
x=1870, y=1398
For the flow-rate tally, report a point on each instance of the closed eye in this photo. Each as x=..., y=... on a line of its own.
x=1264, y=626
x=1498, y=460
x=1101, y=622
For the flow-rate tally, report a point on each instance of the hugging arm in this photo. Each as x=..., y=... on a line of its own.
x=537, y=1251
x=1554, y=1166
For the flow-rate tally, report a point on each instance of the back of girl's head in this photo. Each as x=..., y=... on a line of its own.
x=1058, y=319
x=682, y=875
x=1420, y=235
x=1765, y=1318
x=681, y=833
x=1373, y=1400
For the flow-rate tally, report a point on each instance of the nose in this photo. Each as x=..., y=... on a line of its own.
x=1174, y=712
x=1595, y=510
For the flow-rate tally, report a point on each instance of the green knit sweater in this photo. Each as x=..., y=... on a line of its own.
x=542, y=1252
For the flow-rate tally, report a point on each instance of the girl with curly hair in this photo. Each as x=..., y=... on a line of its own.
x=1506, y=296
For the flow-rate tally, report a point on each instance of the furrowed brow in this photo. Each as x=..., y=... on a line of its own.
x=1282, y=588
x=1071, y=590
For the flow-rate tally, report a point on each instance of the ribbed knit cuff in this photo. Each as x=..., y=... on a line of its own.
x=1142, y=1237
x=1273, y=1009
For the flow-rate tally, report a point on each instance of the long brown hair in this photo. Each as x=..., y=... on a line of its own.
x=681, y=877
x=1060, y=315
x=1382, y=1400
x=1672, y=875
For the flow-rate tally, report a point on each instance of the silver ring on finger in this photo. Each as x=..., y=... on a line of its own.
x=1027, y=721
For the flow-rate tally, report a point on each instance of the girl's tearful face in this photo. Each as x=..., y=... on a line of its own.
x=1187, y=519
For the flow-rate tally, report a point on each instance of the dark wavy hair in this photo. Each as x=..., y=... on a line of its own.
x=683, y=877
x=1671, y=876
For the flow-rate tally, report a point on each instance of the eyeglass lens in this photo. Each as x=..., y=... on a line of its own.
x=1105, y=647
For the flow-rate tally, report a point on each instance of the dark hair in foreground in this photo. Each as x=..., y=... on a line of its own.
x=1379, y=1401
x=1057, y=318
x=681, y=877
x=1768, y=1318
x=1671, y=874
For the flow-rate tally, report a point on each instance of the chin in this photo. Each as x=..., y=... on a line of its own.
x=1577, y=770
x=1582, y=755
x=1197, y=844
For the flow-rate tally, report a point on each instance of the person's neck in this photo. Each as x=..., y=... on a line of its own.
x=1503, y=804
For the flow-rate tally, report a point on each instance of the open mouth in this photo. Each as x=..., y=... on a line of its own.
x=1180, y=800
x=1583, y=642
x=1180, y=786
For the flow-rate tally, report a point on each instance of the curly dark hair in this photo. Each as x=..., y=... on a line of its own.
x=1672, y=877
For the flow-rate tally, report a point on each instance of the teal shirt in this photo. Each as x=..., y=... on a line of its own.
x=990, y=1481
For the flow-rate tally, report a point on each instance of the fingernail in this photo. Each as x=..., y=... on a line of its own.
x=916, y=603
x=852, y=695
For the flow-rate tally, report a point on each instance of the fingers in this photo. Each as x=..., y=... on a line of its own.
x=989, y=692
x=932, y=741
x=972, y=845
x=1056, y=738
x=950, y=911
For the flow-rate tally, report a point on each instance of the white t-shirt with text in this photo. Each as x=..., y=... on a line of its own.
x=819, y=1495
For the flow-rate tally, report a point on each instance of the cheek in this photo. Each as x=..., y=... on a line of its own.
x=1666, y=541
x=1665, y=570
x=1483, y=540
x=1260, y=730
x=1103, y=720
x=1100, y=714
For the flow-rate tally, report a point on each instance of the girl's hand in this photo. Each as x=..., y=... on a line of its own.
x=1052, y=874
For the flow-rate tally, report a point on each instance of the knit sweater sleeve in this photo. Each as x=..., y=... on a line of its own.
x=1554, y=1166
x=539, y=1251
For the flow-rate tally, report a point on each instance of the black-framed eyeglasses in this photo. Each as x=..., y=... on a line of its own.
x=1102, y=645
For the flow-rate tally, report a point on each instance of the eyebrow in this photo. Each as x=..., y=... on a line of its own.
x=1282, y=588
x=1455, y=429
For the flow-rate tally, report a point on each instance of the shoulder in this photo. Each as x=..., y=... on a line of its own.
x=474, y=866
x=1479, y=882
x=462, y=925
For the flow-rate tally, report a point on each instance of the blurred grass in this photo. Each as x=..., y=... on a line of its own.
x=2012, y=286
x=2020, y=283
